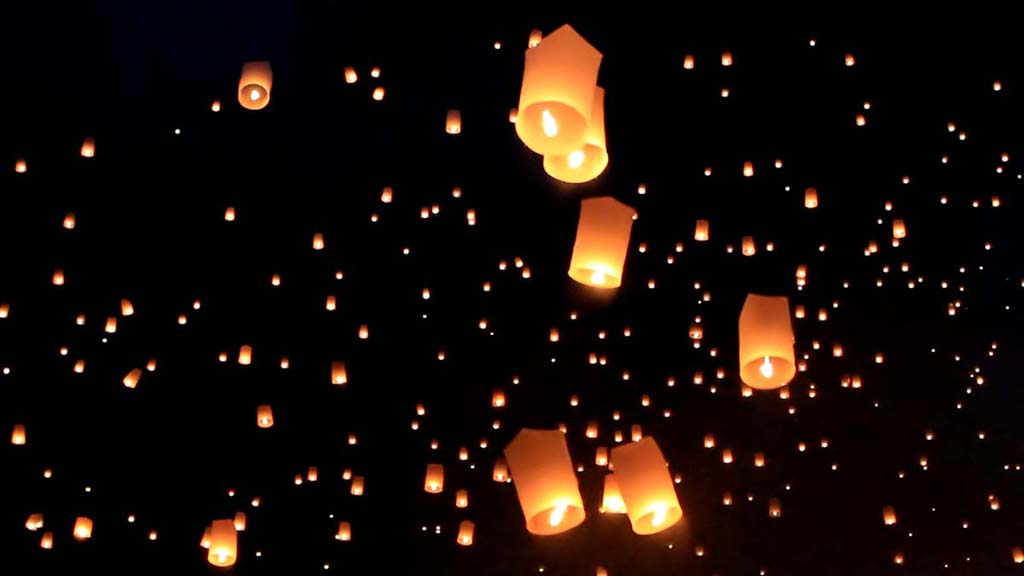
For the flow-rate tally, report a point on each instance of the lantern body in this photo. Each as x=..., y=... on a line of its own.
x=240, y=521
x=545, y=481
x=223, y=543
x=83, y=528
x=34, y=522
x=500, y=473
x=602, y=240
x=590, y=160
x=749, y=248
x=461, y=499
x=611, y=500
x=350, y=75
x=1018, y=555
x=535, y=38
x=889, y=515
x=339, y=375
x=702, y=231
x=344, y=532
x=245, y=355
x=767, y=360
x=811, y=197
x=254, y=85
x=899, y=228
x=465, y=537
x=264, y=416
x=88, y=148
x=557, y=95
x=646, y=486
x=132, y=378
x=46, y=543
x=358, y=485
x=453, y=124
x=434, y=482
x=774, y=508
x=18, y=435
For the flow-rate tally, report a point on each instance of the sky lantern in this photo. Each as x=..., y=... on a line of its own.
x=215, y=106
x=132, y=378
x=20, y=166
x=767, y=360
x=1018, y=555
x=378, y=93
x=811, y=197
x=500, y=472
x=726, y=58
x=46, y=542
x=749, y=248
x=350, y=75
x=344, y=533
x=498, y=398
x=18, y=435
x=702, y=231
x=465, y=537
x=709, y=440
x=688, y=62
x=339, y=375
x=461, y=498
x=611, y=499
x=254, y=85
x=535, y=38
x=358, y=486
x=240, y=521
x=889, y=515
x=453, y=123
x=557, y=95
x=88, y=149
x=34, y=522
x=83, y=528
x=545, y=481
x=774, y=508
x=264, y=416
x=245, y=355
x=899, y=229
x=646, y=486
x=434, y=481
x=602, y=240
x=127, y=309
x=223, y=543
x=588, y=161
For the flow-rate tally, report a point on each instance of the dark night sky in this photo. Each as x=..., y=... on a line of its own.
x=150, y=227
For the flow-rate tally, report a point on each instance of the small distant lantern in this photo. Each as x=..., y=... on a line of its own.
x=453, y=123
x=34, y=522
x=726, y=58
x=111, y=326
x=127, y=309
x=132, y=378
x=344, y=532
x=899, y=229
x=702, y=231
x=83, y=528
x=223, y=543
x=759, y=460
x=264, y=416
x=1018, y=555
x=465, y=537
x=727, y=456
x=69, y=221
x=749, y=248
x=339, y=375
x=20, y=166
x=378, y=93
x=358, y=484
x=811, y=197
x=767, y=359
x=434, y=481
x=889, y=515
x=611, y=500
x=88, y=148
x=46, y=542
x=245, y=355
x=350, y=75
x=601, y=456
x=709, y=440
x=215, y=106
x=254, y=88
x=364, y=331
x=545, y=481
x=748, y=169
x=535, y=37
x=602, y=241
x=498, y=398
x=461, y=499
x=646, y=486
x=774, y=508
x=688, y=62
x=500, y=472
x=18, y=435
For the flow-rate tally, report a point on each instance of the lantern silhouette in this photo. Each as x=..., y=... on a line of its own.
x=588, y=161
x=46, y=542
x=465, y=537
x=453, y=123
x=83, y=528
x=264, y=416
x=545, y=481
x=245, y=355
x=1018, y=555
x=434, y=482
x=557, y=95
x=223, y=543
x=500, y=472
x=18, y=435
x=602, y=240
x=344, y=532
x=774, y=508
x=88, y=148
x=889, y=515
x=767, y=360
x=254, y=86
x=34, y=522
x=646, y=486
x=611, y=499
x=358, y=485
x=535, y=38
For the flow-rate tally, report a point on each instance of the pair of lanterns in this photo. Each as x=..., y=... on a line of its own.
x=549, y=494
x=561, y=107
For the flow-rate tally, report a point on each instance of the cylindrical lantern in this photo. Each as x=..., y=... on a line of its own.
x=899, y=228
x=461, y=499
x=589, y=161
x=465, y=537
x=498, y=398
x=602, y=240
x=601, y=456
x=535, y=38
x=646, y=486
x=749, y=248
x=88, y=148
x=611, y=500
x=350, y=75
x=34, y=522
x=811, y=197
x=889, y=515
x=245, y=355
x=545, y=481
x=20, y=166
x=557, y=95
x=18, y=435
x=46, y=542
x=240, y=521
x=434, y=482
x=1018, y=555
x=83, y=528
x=702, y=231
x=500, y=473
x=223, y=543
x=127, y=309
x=132, y=378
x=264, y=416
x=357, y=486
x=774, y=508
x=339, y=375
x=344, y=532
x=453, y=124
x=254, y=86
x=767, y=359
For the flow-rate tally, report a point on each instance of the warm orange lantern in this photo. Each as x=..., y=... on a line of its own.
x=1018, y=555
x=557, y=95
x=811, y=197
x=889, y=515
x=245, y=355
x=88, y=148
x=602, y=240
x=83, y=528
x=545, y=481
x=18, y=435
x=611, y=500
x=223, y=543
x=646, y=486
x=461, y=498
x=899, y=228
x=498, y=398
x=535, y=38
x=590, y=160
x=453, y=124
x=465, y=537
x=702, y=231
x=132, y=378
x=240, y=521
x=339, y=375
x=749, y=248
x=350, y=75
x=254, y=88
x=344, y=532
x=500, y=473
x=774, y=508
x=767, y=359
x=358, y=485
x=434, y=482
x=46, y=542
x=20, y=166
x=264, y=416
x=34, y=522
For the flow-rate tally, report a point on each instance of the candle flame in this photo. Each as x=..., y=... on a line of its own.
x=549, y=124
x=767, y=370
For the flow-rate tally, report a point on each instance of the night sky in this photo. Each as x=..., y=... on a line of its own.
x=894, y=121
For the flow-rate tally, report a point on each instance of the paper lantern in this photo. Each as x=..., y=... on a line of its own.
x=646, y=486
x=749, y=248
x=132, y=378
x=46, y=542
x=811, y=197
x=378, y=93
x=767, y=360
x=111, y=326
x=339, y=375
x=500, y=473
x=264, y=416
x=461, y=498
x=498, y=398
x=709, y=440
x=223, y=543
x=611, y=500
x=127, y=309
x=702, y=231
x=83, y=528
x=245, y=355
x=774, y=508
x=357, y=486
x=899, y=228
x=557, y=95
x=215, y=106
x=465, y=537
x=34, y=522
x=589, y=161
x=889, y=515
x=535, y=38
x=88, y=148
x=602, y=240
x=601, y=456
x=5, y=310
x=254, y=87
x=453, y=124
x=434, y=482
x=344, y=532
x=312, y=474
x=727, y=456
x=240, y=521
x=545, y=481
x=20, y=166
x=350, y=75
x=1018, y=555
x=759, y=460
x=688, y=62
x=18, y=435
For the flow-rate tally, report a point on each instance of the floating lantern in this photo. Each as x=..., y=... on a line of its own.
x=127, y=309
x=749, y=248
x=889, y=515
x=88, y=148
x=899, y=229
x=498, y=398
x=601, y=456
x=811, y=197
x=58, y=277
x=535, y=38
x=602, y=240
x=34, y=522
x=21, y=166
x=500, y=473
x=245, y=355
x=344, y=532
x=46, y=542
x=726, y=58
x=434, y=482
x=18, y=435
x=702, y=231
x=83, y=528
x=611, y=500
x=215, y=106
x=688, y=62
x=111, y=326
x=364, y=331
x=223, y=541
x=339, y=375
x=357, y=486
x=898, y=559
x=465, y=537
x=748, y=169
x=350, y=75
x=767, y=359
x=239, y=521
x=545, y=481
x=378, y=93
x=774, y=508
x=1018, y=555
x=727, y=456
x=461, y=499
x=254, y=89
x=264, y=416
x=132, y=378
x=759, y=460
x=557, y=95
x=453, y=123
x=709, y=440
x=646, y=486
x=589, y=161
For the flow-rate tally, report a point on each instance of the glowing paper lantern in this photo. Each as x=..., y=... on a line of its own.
x=254, y=87
x=602, y=240
x=545, y=481
x=358, y=485
x=749, y=248
x=811, y=197
x=889, y=515
x=434, y=482
x=590, y=160
x=465, y=537
x=223, y=543
x=245, y=355
x=899, y=229
x=83, y=528
x=611, y=500
x=646, y=486
x=46, y=542
x=350, y=75
x=34, y=522
x=240, y=521
x=461, y=499
x=264, y=416
x=557, y=95
x=88, y=148
x=702, y=231
x=1018, y=555
x=132, y=378
x=774, y=508
x=339, y=375
x=344, y=532
x=453, y=124
x=535, y=38
x=20, y=166
x=500, y=473
x=767, y=360
x=18, y=435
